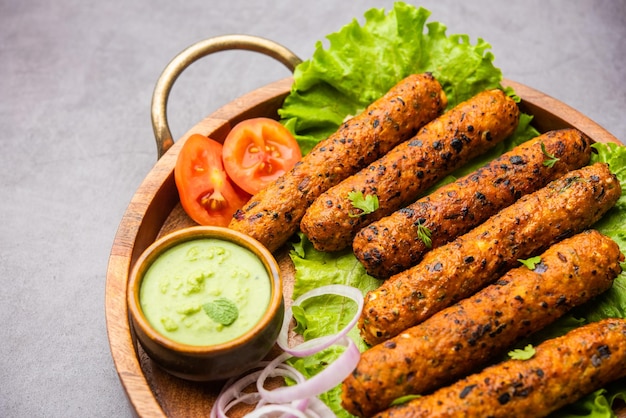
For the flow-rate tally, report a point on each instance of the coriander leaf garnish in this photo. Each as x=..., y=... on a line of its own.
x=531, y=262
x=222, y=310
x=424, y=234
x=551, y=159
x=525, y=353
x=367, y=204
x=570, y=181
x=404, y=399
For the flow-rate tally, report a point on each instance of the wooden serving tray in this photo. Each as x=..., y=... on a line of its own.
x=155, y=210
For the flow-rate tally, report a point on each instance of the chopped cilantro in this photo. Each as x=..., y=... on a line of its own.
x=424, y=234
x=367, y=204
x=551, y=159
x=525, y=353
x=571, y=180
x=404, y=399
x=531, y=262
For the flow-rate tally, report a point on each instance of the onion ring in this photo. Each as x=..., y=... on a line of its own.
x=316, y=345
x=232, y=394
x=322, y=382
x=267, y=410
x=299, y=400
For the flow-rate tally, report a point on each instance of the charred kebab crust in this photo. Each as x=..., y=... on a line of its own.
x=393, y=243
x=466, y=335
x=398, y=177
x=561, y=371
x=564, y=207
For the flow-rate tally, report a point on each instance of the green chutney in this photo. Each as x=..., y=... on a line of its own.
x=205, y=291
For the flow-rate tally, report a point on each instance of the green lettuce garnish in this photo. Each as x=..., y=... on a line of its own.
x=326, y=315
x=310, y=366
x=598, y=404
x=612, y=303
x=314, y=269
x=612, y=224
x=364, y=61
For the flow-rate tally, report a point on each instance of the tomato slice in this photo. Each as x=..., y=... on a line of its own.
x=206, y=193
x=257, y=151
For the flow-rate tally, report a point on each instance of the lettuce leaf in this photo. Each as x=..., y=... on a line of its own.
x=612, y=303
x=326, y=315
x=314, y=269
x=612, y=224
x=598, y=404
x=310, y=366
x=363, y=62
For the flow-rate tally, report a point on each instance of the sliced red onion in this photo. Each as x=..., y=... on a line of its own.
x=277, y=410
x=317, y=408
x=322, y=382
x=316, y=345
x=232, y=393
x=300, y=399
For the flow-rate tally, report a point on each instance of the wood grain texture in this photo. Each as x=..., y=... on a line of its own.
x=155, y=210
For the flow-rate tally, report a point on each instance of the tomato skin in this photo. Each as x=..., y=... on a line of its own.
x=206, y=193
x=257, y=151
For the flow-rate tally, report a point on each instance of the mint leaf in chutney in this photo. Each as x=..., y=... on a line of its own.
x=222, y=310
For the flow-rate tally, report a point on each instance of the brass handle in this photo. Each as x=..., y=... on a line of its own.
x=191, y=54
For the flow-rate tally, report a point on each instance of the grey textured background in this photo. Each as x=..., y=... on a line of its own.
x=76, y=81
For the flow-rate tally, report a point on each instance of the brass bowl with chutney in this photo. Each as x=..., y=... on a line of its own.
x=206, y=303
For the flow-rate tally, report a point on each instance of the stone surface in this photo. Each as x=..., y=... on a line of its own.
x=76, y=81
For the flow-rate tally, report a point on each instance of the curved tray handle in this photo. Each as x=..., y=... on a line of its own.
x=162, y=133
